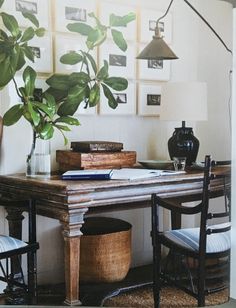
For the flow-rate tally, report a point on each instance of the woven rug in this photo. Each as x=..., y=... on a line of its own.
x=170, y=297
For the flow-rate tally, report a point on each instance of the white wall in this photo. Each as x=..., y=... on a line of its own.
x=201, y=58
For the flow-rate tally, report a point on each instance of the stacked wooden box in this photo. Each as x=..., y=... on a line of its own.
x=95, y=155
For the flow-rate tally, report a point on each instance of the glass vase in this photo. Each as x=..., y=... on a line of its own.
x=39, y=160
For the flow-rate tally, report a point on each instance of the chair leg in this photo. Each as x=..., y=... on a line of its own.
x=32, y=278
x=156, y=274
x=201, y=283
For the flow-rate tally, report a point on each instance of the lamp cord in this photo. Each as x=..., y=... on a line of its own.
x=202, y=18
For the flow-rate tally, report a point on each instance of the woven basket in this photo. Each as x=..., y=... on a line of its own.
x=105, y=250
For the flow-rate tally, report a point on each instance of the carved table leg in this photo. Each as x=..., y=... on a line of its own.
x=71, y=234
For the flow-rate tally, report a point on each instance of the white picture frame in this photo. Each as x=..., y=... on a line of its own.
x=121, y=63
x=149, y=99
x=65, y=44
x=159, y=70
x=42, y=47
x=148, y=20
x=40, y=8
x=70, y=11
x=127, y=105
x=107, y=8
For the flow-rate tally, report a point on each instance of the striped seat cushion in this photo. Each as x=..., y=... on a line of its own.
x=189, y=238
x=9, y=243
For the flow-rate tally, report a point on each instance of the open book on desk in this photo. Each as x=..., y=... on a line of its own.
x=134, y=174
x=114, y=174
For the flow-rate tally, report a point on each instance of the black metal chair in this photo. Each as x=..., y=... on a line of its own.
x=19, y=290
x=198, y=244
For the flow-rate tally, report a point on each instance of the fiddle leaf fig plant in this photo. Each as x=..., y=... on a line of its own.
x=86, y=85
x=14, y=50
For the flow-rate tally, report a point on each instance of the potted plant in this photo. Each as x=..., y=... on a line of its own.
x=66, y=92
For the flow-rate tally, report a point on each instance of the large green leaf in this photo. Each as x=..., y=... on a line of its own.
x=103, y=72
x=68, y=120
x=13, y=115
x=111, y=99
x=92, y=61
x=80, y=28
x=62, y=127
x=121, y=21
x=28, y=51
x=31, y=17
x=44, y=108
x=119, y=39
x=59, y=82
x=116, y=83
x=2, y=57
x=3, y=35
x=10, y=23
x=1, y=3
x=94, y=95
x=35, y=116
x=29, y=77
x=77, y=93
x=96, y=38
x=80, y=78
x=27, y=35
x=71, y=58
x=51, y=103
x=7, y=72
x=59, y=95
x=21, y=60
x=68, y=108
x=46, y=131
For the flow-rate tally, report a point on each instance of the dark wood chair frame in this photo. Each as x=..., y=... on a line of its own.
x=158, y=238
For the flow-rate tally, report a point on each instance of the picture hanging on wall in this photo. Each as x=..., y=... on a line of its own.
x=129, y=32
x=149, y=99
x=42, y=49
x=148, y=20
x=69, y=43
x=40, y=8
x=121, y=63
x=71, y=11
x=154, y=69
x=126, y=102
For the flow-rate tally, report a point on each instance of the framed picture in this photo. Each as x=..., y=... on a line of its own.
x=120, y=63
x=40, y=8
x=149, y=100
x=148, y=20
x=69, y=11
x=42, y=49
x=65, y=44
x=153, y=69
x=107, y=8
x=126, y=102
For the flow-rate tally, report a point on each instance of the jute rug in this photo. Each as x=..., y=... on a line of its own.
x=170, y=297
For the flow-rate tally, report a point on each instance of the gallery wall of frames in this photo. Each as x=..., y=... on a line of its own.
x=143, y=95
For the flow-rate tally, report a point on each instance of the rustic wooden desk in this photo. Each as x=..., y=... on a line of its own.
x=69, y=201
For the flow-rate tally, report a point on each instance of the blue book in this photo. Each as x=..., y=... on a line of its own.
x=102, y=174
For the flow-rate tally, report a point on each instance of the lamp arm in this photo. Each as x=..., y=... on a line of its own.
x=202, y=18
x=209, y=26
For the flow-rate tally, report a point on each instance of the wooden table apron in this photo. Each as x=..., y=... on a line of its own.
x=69, y=201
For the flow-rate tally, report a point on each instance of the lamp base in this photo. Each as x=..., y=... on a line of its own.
x=183, y=144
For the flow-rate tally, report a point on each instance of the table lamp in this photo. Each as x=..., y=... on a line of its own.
x=181, y=101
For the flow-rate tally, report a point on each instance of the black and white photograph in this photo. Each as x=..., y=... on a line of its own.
x=121, y=98
x=74, y=13
x=36, y=51
x=149, y=99
x=153, y=99
x=126, y=102
x=26, y=6
x=117, y=60
x=121, y=63
x=155, y=64
x=67, y=11
x=148, y=19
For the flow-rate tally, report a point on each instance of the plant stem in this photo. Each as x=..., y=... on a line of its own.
x=32, y=147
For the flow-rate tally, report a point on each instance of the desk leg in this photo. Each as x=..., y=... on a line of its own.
x=71, y=234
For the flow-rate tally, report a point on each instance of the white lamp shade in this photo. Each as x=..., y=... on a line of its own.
x=181, y=101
